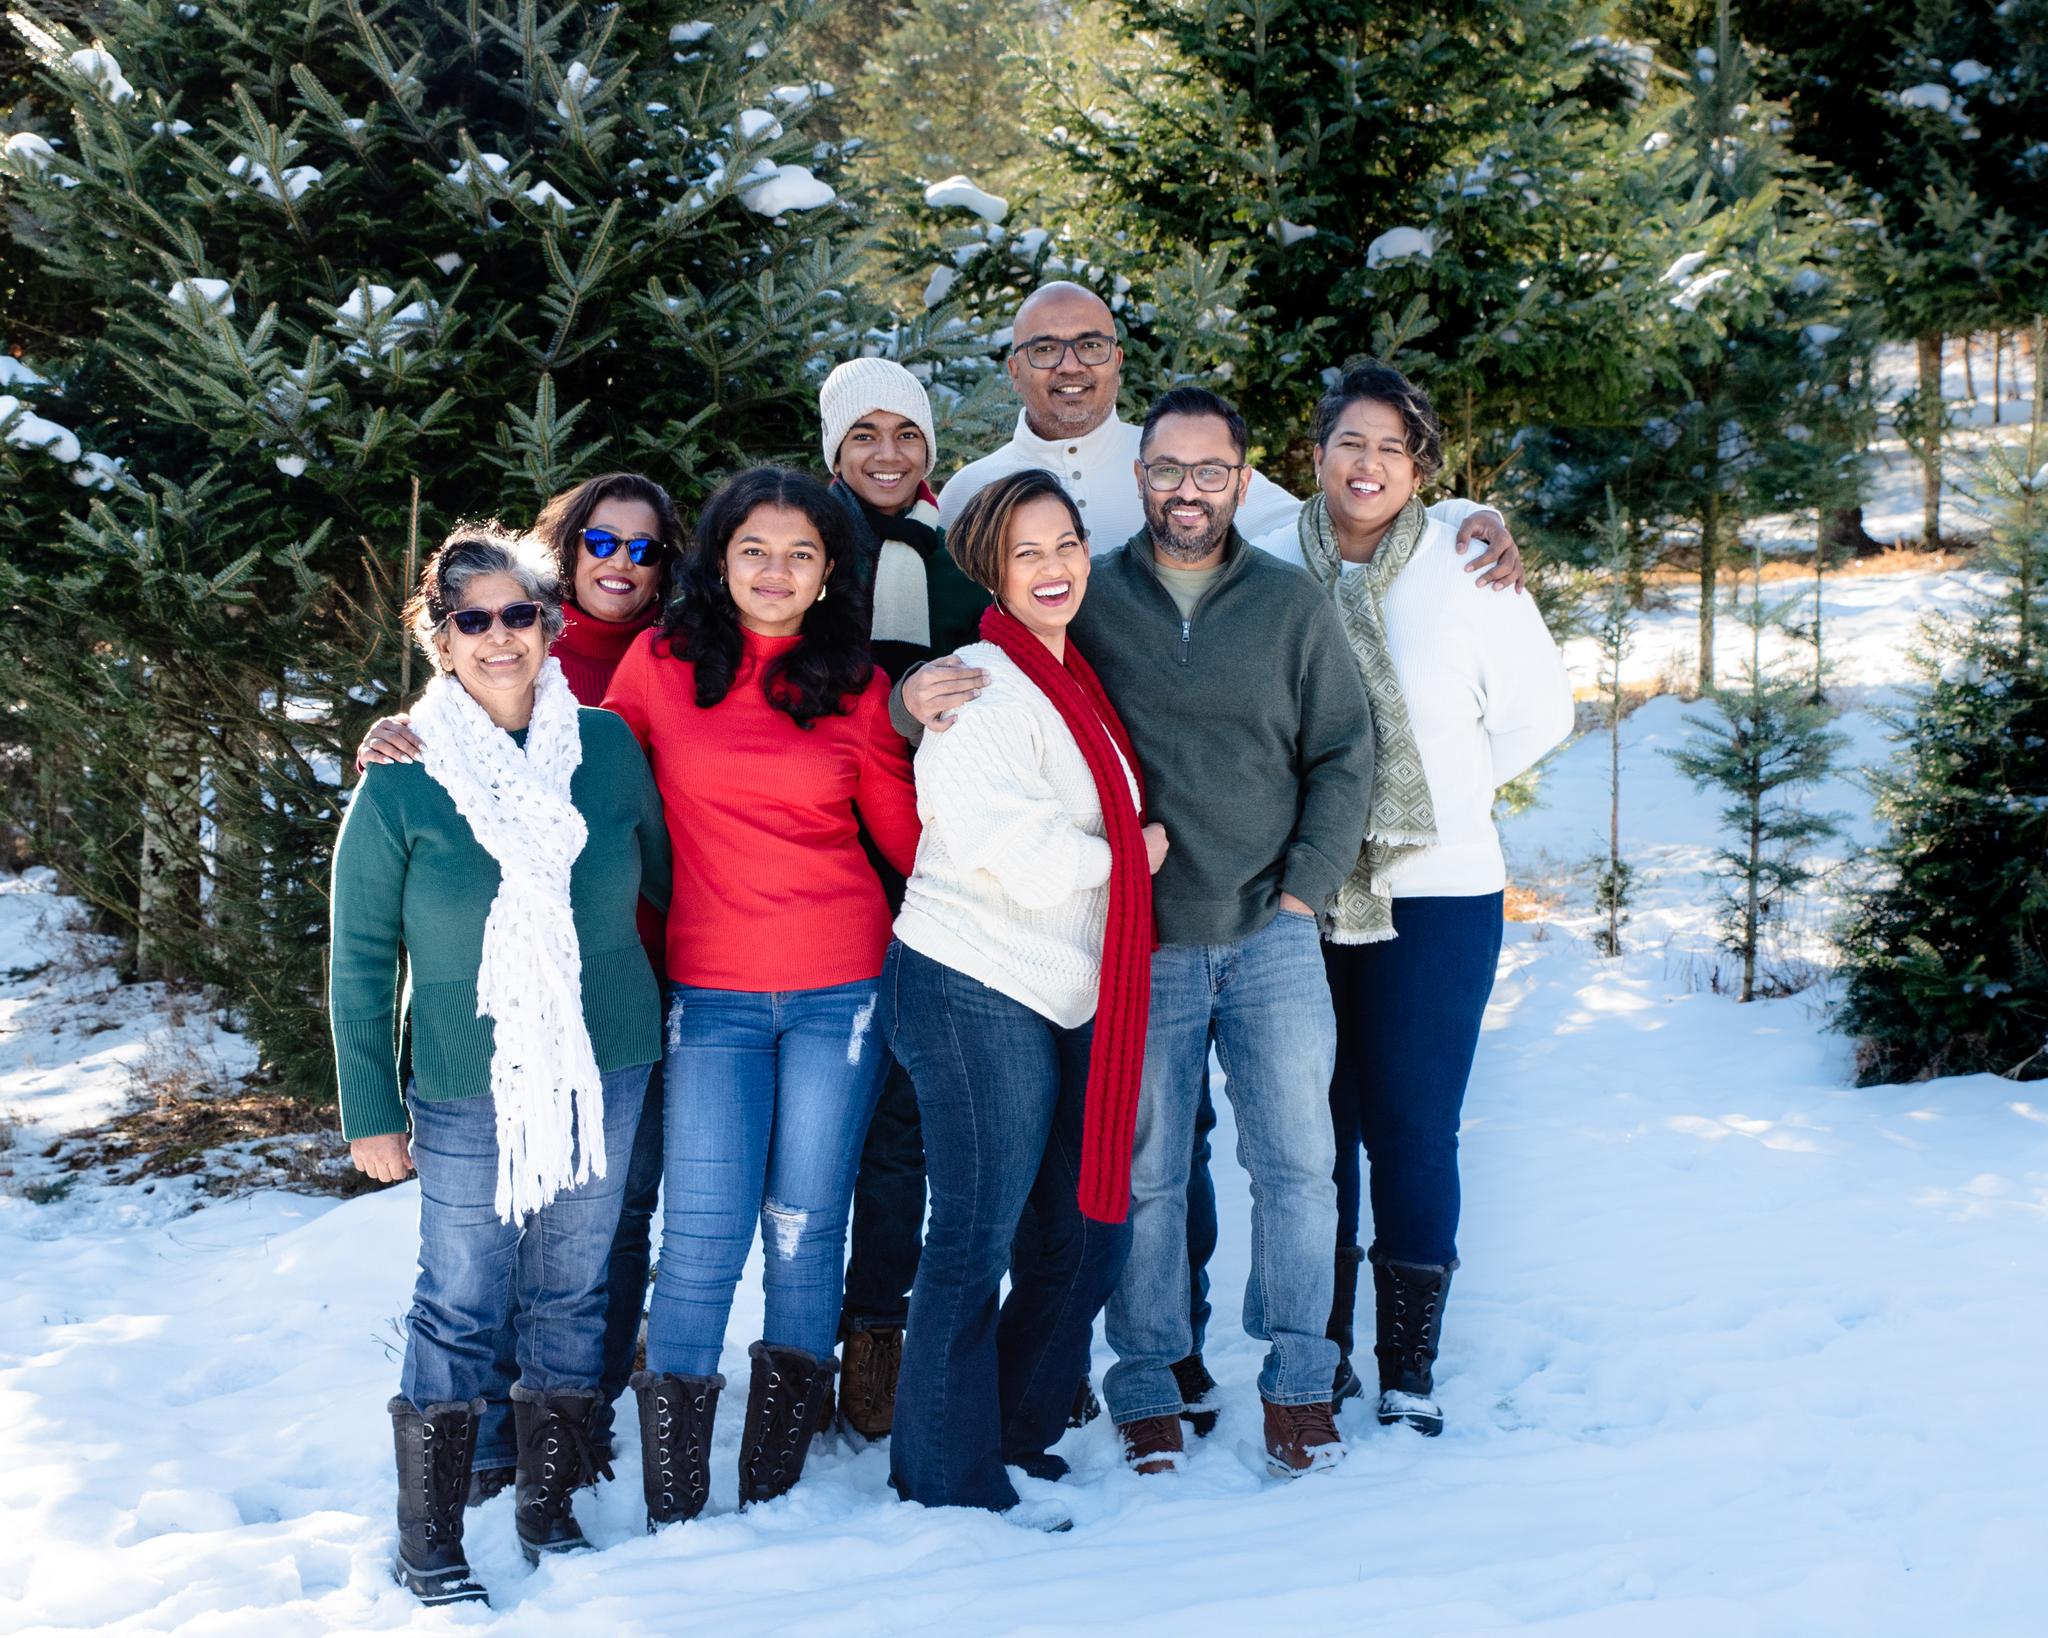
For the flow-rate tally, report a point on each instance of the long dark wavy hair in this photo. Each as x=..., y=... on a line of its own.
x=562, y=521
x=823, y=675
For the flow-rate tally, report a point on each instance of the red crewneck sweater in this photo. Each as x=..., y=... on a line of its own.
x=772, y=888
x=590, y=649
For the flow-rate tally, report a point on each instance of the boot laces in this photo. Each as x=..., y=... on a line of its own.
x=569, y=1437
x=444, y=1478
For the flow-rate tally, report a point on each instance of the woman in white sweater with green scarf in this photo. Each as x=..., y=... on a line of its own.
x=1467, y=691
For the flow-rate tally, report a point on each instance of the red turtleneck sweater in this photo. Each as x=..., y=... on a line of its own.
x=772, y=888
x=590, y=649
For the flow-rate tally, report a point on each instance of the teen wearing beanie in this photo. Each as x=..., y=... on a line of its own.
x=614, y=539
x=879, y=445
x=1465, y=691
x=1031, y=902
x=767, y=727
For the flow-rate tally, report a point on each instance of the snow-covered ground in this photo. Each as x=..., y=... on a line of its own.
x=1736, y=1349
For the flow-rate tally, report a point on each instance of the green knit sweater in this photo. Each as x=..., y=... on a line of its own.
x=408, y=872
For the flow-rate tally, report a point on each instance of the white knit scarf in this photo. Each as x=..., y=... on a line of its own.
x=545, y=1082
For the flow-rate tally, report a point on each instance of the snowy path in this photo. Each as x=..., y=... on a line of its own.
x=1736, y=1349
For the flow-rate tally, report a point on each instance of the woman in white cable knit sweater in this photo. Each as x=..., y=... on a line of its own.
x=1015, y=996
x=1467, y=691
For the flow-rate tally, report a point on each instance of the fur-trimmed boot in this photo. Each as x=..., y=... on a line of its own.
x=556, y=1459
x=433, y=1447
x=676, y=1414
x=1409, y=1301
x=1340, y=1330
x=786, y=1401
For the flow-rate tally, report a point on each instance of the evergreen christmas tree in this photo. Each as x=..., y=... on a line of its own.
x=1422, y=183
x=1764, y=740
x=1946, y=947
x=494, y=248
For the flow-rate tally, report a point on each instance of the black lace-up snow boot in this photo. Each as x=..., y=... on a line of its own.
x=556, y=1458
x=676, y=1416
x=434, y=1447
x=786, y=1403
x=1409, y=1300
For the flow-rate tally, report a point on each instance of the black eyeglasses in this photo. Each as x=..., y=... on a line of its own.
x=475, y=622
x=1046, y=352
x=601, y=543
x=1211, y=477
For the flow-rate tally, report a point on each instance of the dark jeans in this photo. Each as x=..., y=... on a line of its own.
x=625, y=1301
x=1408, y=1014
x=888, y=1211
x=1002, y=1093
x=476, y=1270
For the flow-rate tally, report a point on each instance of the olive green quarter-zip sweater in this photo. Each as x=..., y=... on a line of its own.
x=411, y=878
x=1250, y=723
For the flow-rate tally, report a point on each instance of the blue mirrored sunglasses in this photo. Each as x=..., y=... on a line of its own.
x=601, y=543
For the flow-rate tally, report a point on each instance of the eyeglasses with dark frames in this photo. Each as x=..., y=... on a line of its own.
x=1046, y=352
x=1211, y=477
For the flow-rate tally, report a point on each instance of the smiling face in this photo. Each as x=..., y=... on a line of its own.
x=1071, y=399
x=882, y=459
x=775, y=566
x=498, y=668
x=1045, y=567
x=1187, y=525
x=1365, y=470
x=615, y=588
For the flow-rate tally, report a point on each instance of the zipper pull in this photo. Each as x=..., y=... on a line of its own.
x=1187, y=631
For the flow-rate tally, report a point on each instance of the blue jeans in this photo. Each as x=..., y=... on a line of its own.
x=625, y=1301
x=1408, y=1015
x=769, y=1096
x=1202, y=1229
x=1002, y=1093
x=477, y=1270
x=1267, y=1002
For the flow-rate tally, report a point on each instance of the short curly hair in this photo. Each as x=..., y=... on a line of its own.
x=471, y=550
x=1369, y=381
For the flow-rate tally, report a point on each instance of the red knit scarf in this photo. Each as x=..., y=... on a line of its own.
x=1116, y=1058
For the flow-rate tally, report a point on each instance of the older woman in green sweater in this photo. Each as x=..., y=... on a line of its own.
x=506, y=865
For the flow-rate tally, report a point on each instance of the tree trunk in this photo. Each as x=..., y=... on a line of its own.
x=1997, y=368
x=1930, y=439
x=1969, y=375
x=1820, y=569
x=168, y=900
x=1710, y=550
x=1750, y=906
x=1614, y=815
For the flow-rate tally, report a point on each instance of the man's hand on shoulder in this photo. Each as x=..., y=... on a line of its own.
x=1500, y=565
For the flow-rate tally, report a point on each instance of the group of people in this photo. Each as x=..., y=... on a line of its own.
x=901, y=857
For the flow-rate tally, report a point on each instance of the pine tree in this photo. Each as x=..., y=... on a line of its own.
x=1945, y=947
x=1764, y=740
x=1424, y=183
x=494, y=248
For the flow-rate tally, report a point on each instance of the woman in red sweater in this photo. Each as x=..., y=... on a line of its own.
x=616, y=539
x=768, y=730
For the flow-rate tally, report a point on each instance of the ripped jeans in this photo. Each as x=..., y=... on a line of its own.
x=768, y=1098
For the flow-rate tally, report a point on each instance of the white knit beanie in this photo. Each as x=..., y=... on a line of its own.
x=861, y=386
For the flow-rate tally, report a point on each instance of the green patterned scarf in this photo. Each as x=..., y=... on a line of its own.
x=1402, y=819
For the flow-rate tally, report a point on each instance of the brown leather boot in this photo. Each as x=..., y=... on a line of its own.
x=1301, y=1439
x=871, y=1361
x=1152, y=1444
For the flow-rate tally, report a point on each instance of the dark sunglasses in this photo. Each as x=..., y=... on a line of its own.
x=601, y=543
x=475, y=622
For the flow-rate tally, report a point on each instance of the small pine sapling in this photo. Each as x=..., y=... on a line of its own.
x=1764, y=740
x=1614, y=635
